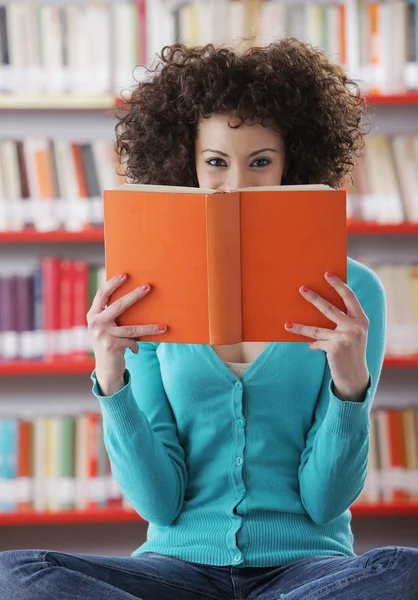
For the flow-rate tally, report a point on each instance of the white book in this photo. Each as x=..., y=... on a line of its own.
x=385, y=192
x=333, y=33
x=106, y=165
x=35, y=72
x=15, y=208
x=407, y=167
x=18, y=45
x=160, y=26
x=51, y=48
x=124, y=45
x=273, y=22
x=97, y=24
x=78, y=48
x=75, y=211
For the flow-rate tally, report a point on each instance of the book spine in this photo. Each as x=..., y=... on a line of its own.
x=223, y=239
x=51, y=305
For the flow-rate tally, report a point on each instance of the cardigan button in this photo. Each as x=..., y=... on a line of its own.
x=238, y=385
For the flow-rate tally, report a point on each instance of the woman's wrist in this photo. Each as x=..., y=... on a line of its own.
x=109, y=386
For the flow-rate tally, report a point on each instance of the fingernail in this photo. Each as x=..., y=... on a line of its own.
x=328, y=274
x=144, y=287
x=305, y=289
x=289, y=325
x=121, y=275
x=161, y=327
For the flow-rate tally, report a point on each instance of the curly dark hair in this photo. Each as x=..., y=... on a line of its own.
x=288, y=85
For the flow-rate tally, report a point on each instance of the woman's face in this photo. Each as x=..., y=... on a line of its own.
x=249, y=156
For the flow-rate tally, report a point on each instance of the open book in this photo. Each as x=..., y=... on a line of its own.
x=225, y=267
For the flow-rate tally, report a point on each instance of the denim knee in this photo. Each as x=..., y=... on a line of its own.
x=16, y=566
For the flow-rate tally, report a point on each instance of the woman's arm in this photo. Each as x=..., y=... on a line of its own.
x=334, y=462
x=140, y=435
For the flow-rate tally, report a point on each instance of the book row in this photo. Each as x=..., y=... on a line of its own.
x=393, y=455
x=53, y=463
x=385, y=188
x=43, y=311
x=94, y=47
x=55, y=183
x=377, y=42
x=70, y=47
x=401, y=286
x=52, y=183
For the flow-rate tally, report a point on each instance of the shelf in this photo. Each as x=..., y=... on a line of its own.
x=364, y=509
x=96, y=234
x=57, y=101
x=105, y=101
x=31, y=235
x=393, y=99
x=64, y=366
x=118, y=515
x=67, y=517
x=401, y=361
x=369, y=228
x=69, y=366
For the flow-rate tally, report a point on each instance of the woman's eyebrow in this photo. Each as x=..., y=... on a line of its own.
x=251, y=154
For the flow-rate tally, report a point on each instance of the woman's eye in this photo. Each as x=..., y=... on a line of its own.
x=265, y=162
x=212, y=160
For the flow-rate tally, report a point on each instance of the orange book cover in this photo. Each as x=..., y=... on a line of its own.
x=225, y=267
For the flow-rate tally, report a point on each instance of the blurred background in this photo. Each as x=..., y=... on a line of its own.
x=64, y=67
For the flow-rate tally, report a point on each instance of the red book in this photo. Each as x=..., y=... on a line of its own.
x=142, y=32
x=79, y=306
x=397, y=454
x=65, y=307
x=51, y=274
x=93, y=459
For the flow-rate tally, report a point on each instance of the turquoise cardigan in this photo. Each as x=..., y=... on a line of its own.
x=254, y=472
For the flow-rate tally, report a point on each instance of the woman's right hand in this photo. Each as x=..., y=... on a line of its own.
x=110, y=340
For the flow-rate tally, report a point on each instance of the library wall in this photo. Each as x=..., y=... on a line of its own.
x=84, y=121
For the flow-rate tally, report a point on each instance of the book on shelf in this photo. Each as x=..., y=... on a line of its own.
x=51, y=463
x=94, y=48
x=385, y=188
x=55, y=462
x=225, y=267
x=401, y=287
x=392, y=473
x=53, y=183
x=43, y=309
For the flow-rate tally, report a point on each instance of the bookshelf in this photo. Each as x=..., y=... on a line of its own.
x=89, y=113
x=117, y=515
x=69, y=366
x=43, y=102
x=96, y=234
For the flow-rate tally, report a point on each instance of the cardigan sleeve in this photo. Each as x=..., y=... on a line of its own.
x=333, y=465
x=140, y=436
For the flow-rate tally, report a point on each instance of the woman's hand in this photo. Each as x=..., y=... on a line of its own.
x=110, y=340
x=345, y=346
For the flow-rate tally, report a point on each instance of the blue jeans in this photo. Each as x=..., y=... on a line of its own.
x=389, y=573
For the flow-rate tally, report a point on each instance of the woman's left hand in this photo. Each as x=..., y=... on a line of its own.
x=345, y=346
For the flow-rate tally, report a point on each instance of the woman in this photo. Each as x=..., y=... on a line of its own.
x=243, y=458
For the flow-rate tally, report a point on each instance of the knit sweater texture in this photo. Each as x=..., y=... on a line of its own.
x=252, y=472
